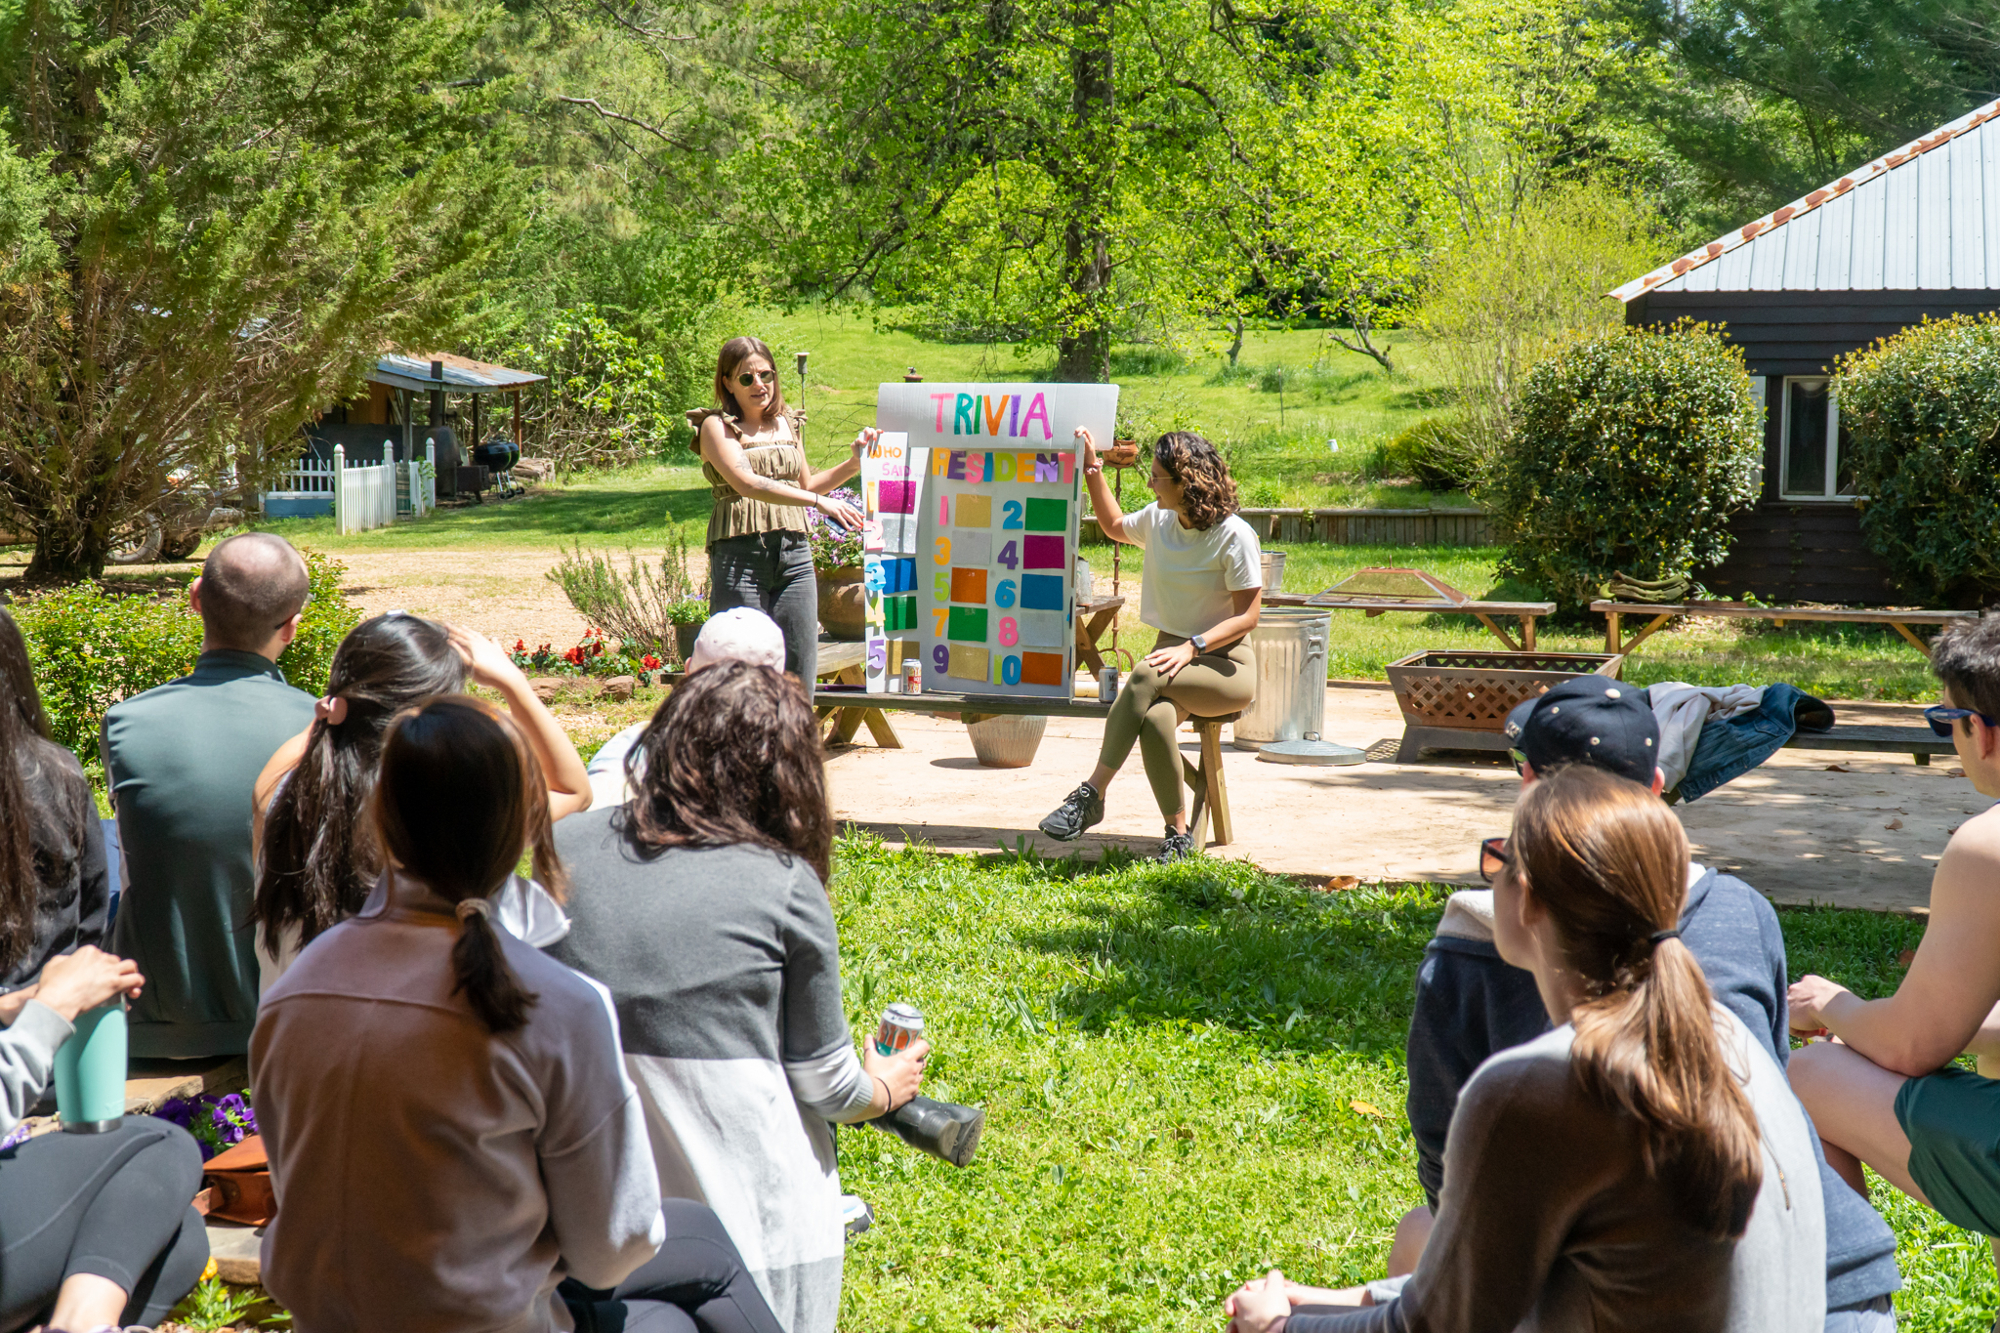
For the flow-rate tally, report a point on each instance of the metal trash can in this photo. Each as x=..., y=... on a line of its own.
x=1290, y=643
x=1274, y=571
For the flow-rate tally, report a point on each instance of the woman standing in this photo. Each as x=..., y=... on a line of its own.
x=703, y=906
x=1200, y=589
x=1642, y=1167
x=763, y=486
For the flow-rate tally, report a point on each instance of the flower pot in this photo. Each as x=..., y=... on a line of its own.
x=843, y=602
x=1007, y=742
x=684, y=637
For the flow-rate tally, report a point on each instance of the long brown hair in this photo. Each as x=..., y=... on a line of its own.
x=733, y=354
x=1209, y=493
x=320, y=856
x=1609, y=861
x=21, y=722
x=733, y=756
x=459, y=796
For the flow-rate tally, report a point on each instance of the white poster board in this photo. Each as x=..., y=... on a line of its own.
x=990, y=474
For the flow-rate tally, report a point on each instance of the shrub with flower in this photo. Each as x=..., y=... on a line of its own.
x=595, y=655
x=216, y=1121
x=833, y=546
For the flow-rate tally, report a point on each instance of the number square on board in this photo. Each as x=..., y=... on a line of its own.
x=971, y=546
x=898, y=497
x=1041, y=668
x=1048, y=516
x=969, y=663
x=1043, y=629
x=901, y=575
x=967, y=625
x=1041, y=592
x=968, y=585
x=1041, y=552
x=972, y=511
x=899, y=613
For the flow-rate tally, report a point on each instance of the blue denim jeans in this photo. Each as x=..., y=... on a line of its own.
x=1729, y=749
x=771, y=572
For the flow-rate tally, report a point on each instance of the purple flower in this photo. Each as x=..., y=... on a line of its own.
x=15, y=1137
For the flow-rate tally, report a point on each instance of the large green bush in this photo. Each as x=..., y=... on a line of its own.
x=1922, y=412
x=1629, y=450
x=91, y=648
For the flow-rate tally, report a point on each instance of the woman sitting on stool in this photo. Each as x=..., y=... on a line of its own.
x=1204, y=572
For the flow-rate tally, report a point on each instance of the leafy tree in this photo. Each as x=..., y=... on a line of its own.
x=211, y=219
x=1632, y=448
x=1922, y=411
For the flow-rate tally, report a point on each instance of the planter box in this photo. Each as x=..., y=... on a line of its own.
x=1460, y=700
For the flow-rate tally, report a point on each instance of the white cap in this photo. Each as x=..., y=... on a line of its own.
x=739, y=635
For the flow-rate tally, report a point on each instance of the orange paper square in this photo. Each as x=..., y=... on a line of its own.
x=1041, y=668
x=969, y=585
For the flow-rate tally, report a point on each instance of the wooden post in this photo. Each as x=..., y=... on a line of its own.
x=519, y=443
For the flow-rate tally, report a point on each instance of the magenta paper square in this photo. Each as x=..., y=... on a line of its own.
x=899, y=497
x=1041, y=552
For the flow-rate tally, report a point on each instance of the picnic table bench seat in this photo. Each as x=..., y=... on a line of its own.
x=1661, y=612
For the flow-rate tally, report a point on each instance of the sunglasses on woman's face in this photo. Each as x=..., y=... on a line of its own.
x=750, y=377
x=1492, y=858
x=1943, y=719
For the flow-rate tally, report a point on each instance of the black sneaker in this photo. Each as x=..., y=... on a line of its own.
x=1177, y=847
x=1079, y=810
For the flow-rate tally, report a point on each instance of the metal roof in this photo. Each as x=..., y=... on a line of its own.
x=461, y=374
x=1926, y=216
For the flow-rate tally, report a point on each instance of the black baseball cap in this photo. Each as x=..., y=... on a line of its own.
x=1588, y=720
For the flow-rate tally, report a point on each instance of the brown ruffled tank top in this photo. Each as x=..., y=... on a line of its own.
x=737, y=515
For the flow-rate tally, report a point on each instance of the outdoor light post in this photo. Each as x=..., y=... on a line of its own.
x=802, y=398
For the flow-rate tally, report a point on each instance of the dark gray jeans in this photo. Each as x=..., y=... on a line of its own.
x=771, y=572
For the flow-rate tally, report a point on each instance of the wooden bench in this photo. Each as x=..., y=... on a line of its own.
x=1527, y=613
x=850, y=708
x=1662, y=612
x=1920, y=743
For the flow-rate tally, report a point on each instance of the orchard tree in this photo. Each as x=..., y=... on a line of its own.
x=212, y=218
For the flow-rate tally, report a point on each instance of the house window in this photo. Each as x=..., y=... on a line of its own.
x=1816, y=464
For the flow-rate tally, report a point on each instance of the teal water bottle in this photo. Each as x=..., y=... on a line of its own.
x=90, y=1071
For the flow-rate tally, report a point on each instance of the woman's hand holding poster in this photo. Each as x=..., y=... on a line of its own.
x=972, y=500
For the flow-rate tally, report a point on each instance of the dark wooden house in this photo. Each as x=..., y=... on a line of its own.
x=1913, y=233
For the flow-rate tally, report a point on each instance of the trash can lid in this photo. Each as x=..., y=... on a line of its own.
x=1310, y=752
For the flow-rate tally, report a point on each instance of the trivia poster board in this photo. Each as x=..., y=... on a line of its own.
x=978, y=514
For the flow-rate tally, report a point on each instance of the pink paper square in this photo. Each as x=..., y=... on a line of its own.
x=899, y=497
x=1041, y=552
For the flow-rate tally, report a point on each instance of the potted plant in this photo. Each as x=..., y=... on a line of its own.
x=836, y=553
x=687, y=616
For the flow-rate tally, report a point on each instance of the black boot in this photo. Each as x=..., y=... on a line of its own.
x=942, y=1129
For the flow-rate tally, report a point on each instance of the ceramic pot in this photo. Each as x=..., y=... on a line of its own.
x=684, y=637
x=1007, y=742
x=843, y=603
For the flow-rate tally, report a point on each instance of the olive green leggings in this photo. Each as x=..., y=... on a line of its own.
x=1148, y=709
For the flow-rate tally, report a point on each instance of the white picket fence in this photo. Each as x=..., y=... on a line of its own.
x=364, y=494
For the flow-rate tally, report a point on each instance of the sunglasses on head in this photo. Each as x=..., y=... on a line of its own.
x=750, y=377
x=1943, y=719
x=1492, y=858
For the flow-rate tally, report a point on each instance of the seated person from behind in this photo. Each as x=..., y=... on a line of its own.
x=500, y=1161
x=1471, y=1003
x=181, y=761
x=1642, y=1166
x=1887, y=1093
x=317, y=857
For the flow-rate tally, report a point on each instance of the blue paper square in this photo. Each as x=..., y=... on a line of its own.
x=1041, y=592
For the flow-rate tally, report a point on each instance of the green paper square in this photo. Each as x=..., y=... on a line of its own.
x=968, y=624
x=1048, y=516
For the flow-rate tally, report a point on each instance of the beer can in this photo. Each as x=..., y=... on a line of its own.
x=1107, y=684
x=901, y=1024
x=913, y=677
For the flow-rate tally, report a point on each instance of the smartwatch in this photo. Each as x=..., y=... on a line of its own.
x=1200, y=642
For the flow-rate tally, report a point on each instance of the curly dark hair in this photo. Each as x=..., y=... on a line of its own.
x=1195, y=465
x=733, y=756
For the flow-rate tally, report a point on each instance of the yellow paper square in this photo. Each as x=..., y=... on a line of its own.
x=969, y=663
x=972, y=511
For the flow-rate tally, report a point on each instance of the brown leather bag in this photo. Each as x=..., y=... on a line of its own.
x=237, y=1182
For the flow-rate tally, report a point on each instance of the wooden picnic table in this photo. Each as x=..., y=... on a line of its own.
x=1093, y=617
x=1662, y=612
x=1527, y=613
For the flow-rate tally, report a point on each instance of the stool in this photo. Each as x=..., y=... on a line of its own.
x=1207, y=782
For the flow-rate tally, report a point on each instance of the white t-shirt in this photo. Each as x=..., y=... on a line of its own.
x=1189, y=575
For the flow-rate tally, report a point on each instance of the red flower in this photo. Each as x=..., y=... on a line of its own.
x=520, y=645
x=650, y=662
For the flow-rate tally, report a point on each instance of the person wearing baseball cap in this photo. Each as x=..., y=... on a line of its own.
x=1470, y=1004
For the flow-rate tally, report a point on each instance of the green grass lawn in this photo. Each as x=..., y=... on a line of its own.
x=1191, y=1074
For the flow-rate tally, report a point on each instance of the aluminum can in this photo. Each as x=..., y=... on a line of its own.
x=913, y=677
x=901, y=1024
x=1107, y=684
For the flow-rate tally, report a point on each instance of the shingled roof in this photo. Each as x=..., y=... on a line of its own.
x=1926, y=216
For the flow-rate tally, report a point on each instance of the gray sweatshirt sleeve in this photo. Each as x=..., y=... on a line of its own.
x=820, y=1063
x=28, y=1059
x=597, y=1162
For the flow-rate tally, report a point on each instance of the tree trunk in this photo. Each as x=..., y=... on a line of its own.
x=1083, y=350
